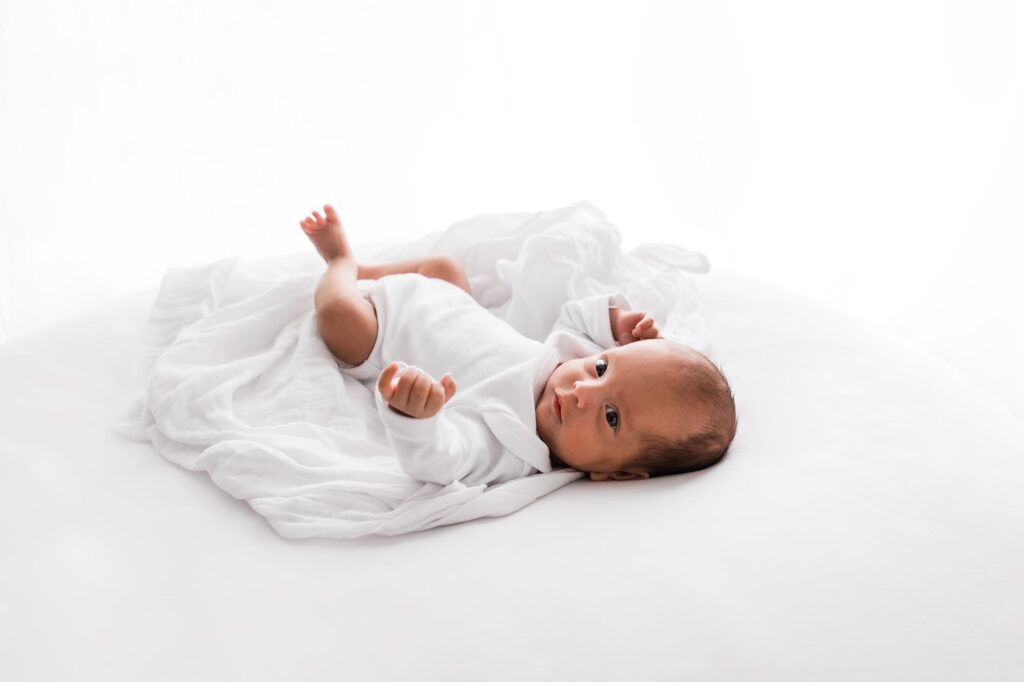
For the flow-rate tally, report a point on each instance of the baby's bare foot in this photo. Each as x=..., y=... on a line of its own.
x=326, y=234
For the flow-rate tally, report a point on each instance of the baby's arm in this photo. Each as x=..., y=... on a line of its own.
x=606, y=320
x=432, y=445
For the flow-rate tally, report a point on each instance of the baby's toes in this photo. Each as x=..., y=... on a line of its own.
x=311, y=225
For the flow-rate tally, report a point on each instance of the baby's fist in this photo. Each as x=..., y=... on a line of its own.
x=632, y=325
x=415, y=393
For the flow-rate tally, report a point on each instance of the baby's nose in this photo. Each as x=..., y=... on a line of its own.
x=581, y=390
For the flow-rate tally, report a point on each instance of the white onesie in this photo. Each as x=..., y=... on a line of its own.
x=487, y=432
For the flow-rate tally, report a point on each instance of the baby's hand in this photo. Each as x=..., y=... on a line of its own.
x=416, y=393
x=632, y=325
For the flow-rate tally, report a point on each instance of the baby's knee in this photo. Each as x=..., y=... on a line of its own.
x=348, y=325
x=446, y=268
x=344, y=310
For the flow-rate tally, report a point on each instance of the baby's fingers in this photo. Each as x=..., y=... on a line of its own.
x=440, y=393
x=419, y=383
x=385, y=379
x=415, y=393
x=448, y=386
x=435, y=400
x=645, y=328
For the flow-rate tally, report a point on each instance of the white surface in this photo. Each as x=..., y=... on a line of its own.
x=866, y=525
x=869, y=154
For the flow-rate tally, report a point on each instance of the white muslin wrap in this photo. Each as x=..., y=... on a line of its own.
x=235, y=380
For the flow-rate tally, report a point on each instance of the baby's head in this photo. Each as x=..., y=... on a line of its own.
x=648, y=408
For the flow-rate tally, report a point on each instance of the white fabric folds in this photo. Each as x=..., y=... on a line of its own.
x=235, y=380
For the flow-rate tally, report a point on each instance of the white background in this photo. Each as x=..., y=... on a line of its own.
x=868, y=154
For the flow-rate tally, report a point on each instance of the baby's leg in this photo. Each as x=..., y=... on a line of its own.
x=346, y=321
x=439, y=267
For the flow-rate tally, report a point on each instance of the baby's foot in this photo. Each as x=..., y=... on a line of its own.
x=326, y=234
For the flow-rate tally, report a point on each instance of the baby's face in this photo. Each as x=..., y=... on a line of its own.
x=595, y=412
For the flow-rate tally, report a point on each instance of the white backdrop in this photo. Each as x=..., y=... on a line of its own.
x=869, y=154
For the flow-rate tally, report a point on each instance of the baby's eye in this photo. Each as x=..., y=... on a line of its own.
x=612, y=416
x=601, y=365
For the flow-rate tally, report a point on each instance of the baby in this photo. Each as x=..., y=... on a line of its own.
x=640, y=406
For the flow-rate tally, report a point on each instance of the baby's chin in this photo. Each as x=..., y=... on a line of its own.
x=557, y=463
x=543, y=426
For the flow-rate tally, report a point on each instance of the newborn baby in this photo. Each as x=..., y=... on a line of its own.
x=641, y=406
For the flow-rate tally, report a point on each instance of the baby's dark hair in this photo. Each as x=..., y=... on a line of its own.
x=700, y=381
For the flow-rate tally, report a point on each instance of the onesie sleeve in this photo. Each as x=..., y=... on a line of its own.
x=439, y=449
x=588, y=317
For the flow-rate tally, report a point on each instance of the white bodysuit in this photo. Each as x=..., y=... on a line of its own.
x=487, y=432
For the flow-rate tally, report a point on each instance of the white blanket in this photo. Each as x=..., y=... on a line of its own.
x=236, y=381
